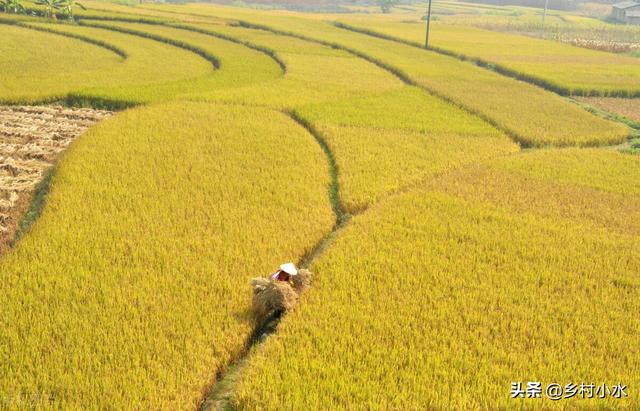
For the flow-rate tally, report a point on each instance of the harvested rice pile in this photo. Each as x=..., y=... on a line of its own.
x=31, y=138
x=274, y=297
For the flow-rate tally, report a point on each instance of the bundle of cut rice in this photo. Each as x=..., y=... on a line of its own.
x=271, y=297
x=302, y=281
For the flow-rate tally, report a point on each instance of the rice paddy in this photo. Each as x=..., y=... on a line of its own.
x=466, y=230
x=441, y=297
x=130, y=289
x=568, y=69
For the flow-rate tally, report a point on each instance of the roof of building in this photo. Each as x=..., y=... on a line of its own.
x=626, y=5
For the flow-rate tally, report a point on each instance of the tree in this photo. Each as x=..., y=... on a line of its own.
x=12, y=6
x=69, y=5
x=386, y=5
x=50, y=6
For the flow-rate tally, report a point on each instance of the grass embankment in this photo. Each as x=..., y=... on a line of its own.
x=237, y=64
x=628, y=108
x=131, y=289
x=533, y=116
x=441, y=297
x=559, y=67
x=143, y=76
x=379, y=146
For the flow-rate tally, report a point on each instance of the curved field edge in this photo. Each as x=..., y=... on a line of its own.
x=584, y=130
x=442, y=296
x=381, y=148
x=238, y=63
x=214, y=60
x=111, y=93
x=178, y=25
x=525, y=130
x=125, y=290
x=117, y=50
x=117, y=85
x=498, y=67
x=241, y=64
x=34, y=40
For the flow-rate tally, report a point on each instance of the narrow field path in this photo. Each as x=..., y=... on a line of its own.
x=220, y=395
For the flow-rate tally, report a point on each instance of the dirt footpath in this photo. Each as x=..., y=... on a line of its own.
x=31, y=139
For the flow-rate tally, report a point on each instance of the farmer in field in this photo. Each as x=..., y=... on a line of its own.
x=285, y=272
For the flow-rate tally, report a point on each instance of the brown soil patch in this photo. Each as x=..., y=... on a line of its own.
x=627, y=107
x=31, y=139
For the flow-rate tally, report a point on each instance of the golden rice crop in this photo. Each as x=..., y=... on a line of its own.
x=143, y=69
x=590, y=187
x=441, y=297
x=604, y=170
x=470, y=267
x=239, y=65
x=573, y=70
x=33, y=68
x=250, y=77
x=534, y=117
x=164, y=12
x=314, y=73
x=384, y=143
x=131, y=290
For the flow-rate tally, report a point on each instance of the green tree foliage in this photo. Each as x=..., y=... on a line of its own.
x=386, y=5
x=12, y=6
x=50, y=6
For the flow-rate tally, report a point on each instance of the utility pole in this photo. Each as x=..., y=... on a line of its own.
x=426, y=41
x=544, y=18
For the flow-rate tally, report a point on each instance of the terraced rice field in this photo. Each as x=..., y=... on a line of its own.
x=466, y=230
x=147, y=270
x=444, y=295
x=562, y=67
x=518, y=112
x=32, y=64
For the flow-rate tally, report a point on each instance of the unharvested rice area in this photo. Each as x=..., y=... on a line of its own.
x=465, y=270
x=132, y=288
x=441, y=297
x=38, y=66
x=315, y=73
x=573, y=69
x=532, y=116
x=380, y=147
x=140, y=78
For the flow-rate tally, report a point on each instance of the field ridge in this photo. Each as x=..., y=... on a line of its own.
x=219, y=395
x=495, y=67
x=403, y=76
